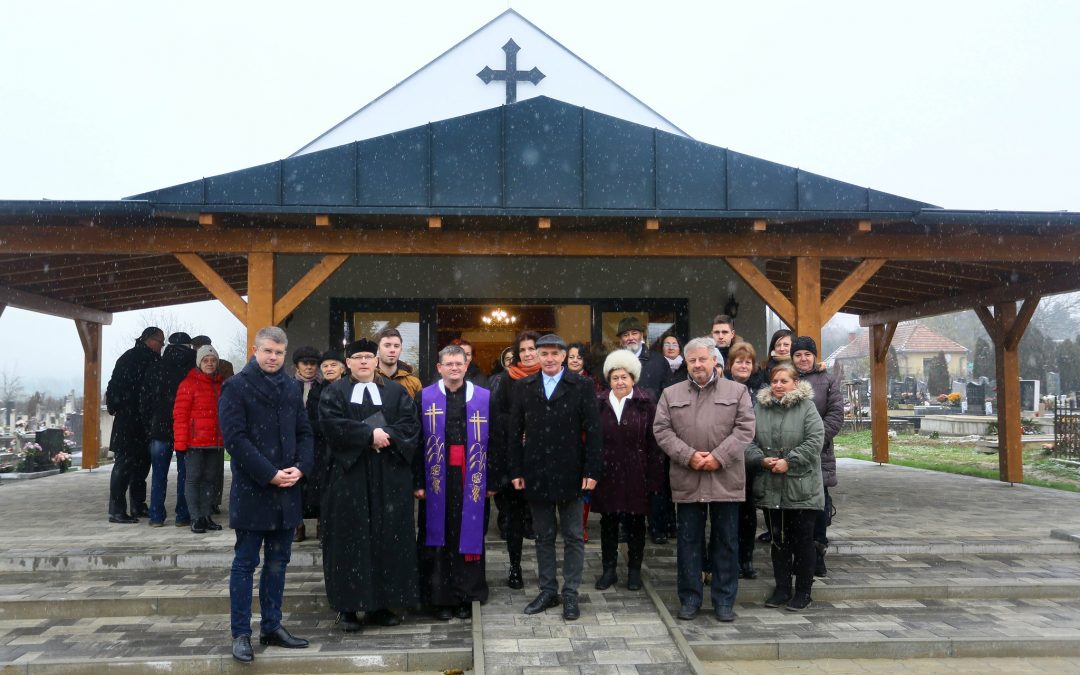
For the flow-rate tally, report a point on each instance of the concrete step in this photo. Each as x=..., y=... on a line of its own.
x=201, y=643
x=892, y=629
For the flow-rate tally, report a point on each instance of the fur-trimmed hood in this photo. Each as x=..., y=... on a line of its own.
x=801, y=392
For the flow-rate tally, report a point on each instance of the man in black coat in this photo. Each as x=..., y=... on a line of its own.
x=554, y=453
x=156, y=399
x=269, y=439
x=129, y=443
x=654, y=368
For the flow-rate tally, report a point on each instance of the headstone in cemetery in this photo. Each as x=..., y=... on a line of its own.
x=1053, y=383
x=1029, y=395
x=975, y=392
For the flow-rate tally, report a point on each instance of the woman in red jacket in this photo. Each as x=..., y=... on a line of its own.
x=196, y=432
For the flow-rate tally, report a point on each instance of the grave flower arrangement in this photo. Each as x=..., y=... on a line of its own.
x=31, y=458
x=62, y=460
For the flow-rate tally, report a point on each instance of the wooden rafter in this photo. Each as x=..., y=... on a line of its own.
x=756, y=280
x=307, y=285
x=33, y=302
x=215, y=284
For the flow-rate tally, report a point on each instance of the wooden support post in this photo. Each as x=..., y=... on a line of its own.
x=90, y=336
x=807, y=286
x=756, y=280
x=880, y=338
x=1005, y=328
x=260, y=304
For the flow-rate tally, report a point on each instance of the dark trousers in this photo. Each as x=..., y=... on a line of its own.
x=130, y=469
x=609, y=539
x=277, y=549
x=661, y=510
x=822, y=522
x=723, y=552
x=792, y=547
x=517, y=514
x=202, y=463
x=446, y=577
x=569, y=513
x=747, y=527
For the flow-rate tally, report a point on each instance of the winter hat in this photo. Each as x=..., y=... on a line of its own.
x=305, y=353
x=629, y=323
x=180, y=338
x=332, y=355
x=200, y=340
x=622, y=359
x=551, y=340
x=204, y=351
x=804, y=343
x=362, y=345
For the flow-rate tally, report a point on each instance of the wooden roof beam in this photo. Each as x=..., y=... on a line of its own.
x=13, y=297
x=307, y=285
x=849, y=287
x=761, y=285
x=221, y=290
x=1063, y=283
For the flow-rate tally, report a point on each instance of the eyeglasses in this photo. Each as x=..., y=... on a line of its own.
x=362, y=357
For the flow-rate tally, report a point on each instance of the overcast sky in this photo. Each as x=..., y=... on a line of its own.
x=961, y=104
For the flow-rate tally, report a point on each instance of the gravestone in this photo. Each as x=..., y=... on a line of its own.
x=1053, y=383
x=976, y=397
x=51, y=441
x=1029, y=395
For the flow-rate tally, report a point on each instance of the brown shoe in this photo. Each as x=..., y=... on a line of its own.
x=300, y=534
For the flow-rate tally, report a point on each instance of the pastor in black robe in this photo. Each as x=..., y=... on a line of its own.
x=369, y=552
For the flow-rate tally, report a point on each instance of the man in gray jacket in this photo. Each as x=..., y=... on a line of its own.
x=704, y=425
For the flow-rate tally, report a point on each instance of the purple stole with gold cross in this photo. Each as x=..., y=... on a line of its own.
x=477, y=416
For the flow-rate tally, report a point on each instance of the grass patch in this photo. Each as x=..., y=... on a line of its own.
x=964, y=459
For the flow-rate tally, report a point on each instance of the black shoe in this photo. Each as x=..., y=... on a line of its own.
x=606, y=580
x=659, y=539
x=542, y=603
x=210, y=524
x=383, y=617
x=570, y=611
x=514, y=580
x=215, y=510
x=747, y=571
x=464, y=611
x=779, y=597
x=300, y=534
x=724, y=614
x=198, y=526
x=140, y=512
x=687, y=613
x=765, y=537
x=798, y=603
x=633, y=580
x=282, y=638
x=444, y=613
x=349, y=622
x=819, y=565
x=241, y=649
x=122, y=519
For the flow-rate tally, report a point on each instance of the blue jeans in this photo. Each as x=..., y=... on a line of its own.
x=161, y=454
x=723, y=552
x=277, y=547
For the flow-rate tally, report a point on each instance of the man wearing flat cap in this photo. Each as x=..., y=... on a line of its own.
x=654, y=370
x=369, y=542
x=554, y=454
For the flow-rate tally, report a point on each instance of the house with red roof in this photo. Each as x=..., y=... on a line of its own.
x=915, y=345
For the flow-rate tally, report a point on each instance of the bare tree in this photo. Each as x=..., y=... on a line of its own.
x=10, y=386
x=168, y=321
x=1057, y=315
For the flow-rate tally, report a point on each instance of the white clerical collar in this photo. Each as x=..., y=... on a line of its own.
x=468, y=389
x=358, y=393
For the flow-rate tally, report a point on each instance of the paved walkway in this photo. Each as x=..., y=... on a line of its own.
x=922, y=565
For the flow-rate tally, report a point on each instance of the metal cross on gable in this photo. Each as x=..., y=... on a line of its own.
x=511, y=75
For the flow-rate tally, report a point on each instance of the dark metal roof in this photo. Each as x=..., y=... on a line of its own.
x=539, y=156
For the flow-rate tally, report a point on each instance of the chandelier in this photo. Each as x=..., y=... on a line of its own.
x=498, y=317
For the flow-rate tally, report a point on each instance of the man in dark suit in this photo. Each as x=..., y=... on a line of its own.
x=554, y=454
x=269, y=438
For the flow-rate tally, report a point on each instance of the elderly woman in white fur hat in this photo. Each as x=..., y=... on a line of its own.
x=633, y=466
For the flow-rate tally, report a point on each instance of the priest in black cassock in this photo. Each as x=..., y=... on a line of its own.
x=451, y=479
x=369, y=550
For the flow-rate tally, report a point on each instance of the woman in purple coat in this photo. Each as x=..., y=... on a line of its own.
x=633, y=467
